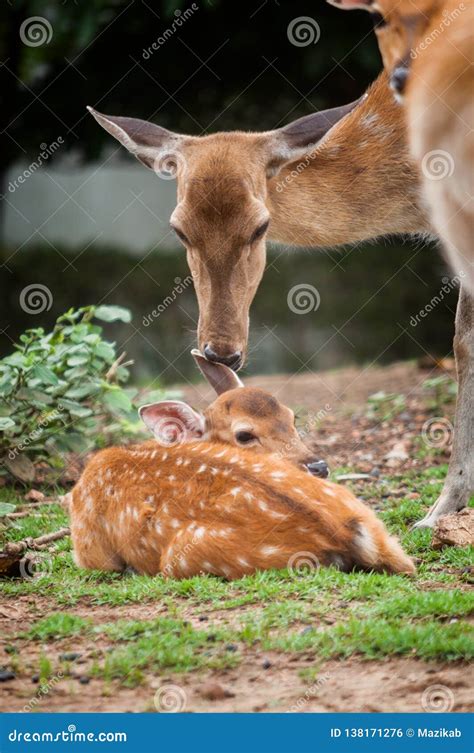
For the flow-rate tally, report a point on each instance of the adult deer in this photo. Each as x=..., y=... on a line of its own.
x=427, y=48
x=196, y=500
x=334, y=177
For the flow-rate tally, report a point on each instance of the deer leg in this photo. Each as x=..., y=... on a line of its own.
x=459, y=483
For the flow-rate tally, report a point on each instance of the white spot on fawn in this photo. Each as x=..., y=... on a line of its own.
x=201, y=468
x=267, y=551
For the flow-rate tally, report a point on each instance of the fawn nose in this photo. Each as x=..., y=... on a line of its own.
x=398, y=79
x=234, y=360
x=318, y=468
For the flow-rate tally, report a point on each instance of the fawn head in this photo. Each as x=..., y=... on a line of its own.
x=240, y=416
x=221, y=215
x=400, y=26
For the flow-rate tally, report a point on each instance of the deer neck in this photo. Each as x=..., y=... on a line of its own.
x=359, y=184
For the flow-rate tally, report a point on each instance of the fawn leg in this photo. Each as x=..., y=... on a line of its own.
x=459, y=483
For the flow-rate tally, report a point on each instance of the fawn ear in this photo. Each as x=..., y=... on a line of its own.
x=351, y=4
x=297, y=139
x=156, y=147
x=172, y=422
x=221, y=377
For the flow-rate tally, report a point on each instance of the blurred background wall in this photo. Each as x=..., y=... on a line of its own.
x=82, y=219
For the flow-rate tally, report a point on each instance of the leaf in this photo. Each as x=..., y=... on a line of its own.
x=6, y=423
x=21, y=467
x=117, y=401
x=77, y=360
x=84, y=390
x=113, y=314
x=6, y=508
x=44, y=374
x=34, y=396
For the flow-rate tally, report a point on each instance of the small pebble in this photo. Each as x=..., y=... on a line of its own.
x=203, y=618
x=231, y=647
x=35, y=679
x=84, y=680
x=71, y=656
x=266, y=664
x=6, y=675
x=375, y=472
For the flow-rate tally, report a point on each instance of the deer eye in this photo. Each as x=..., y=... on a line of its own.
x=259, y=232
x=378, y=20
x=180, y=234
x=244, y=437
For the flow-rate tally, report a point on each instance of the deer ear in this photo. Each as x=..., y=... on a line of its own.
x=154, y=146
x=220, y=377
x=172, y=422
x=352, y=4
x=293, y=141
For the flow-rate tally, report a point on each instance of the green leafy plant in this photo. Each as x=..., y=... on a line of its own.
x=383, y=406
x=63, y=391
x=441, y=390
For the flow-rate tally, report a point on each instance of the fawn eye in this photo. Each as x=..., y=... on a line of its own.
x=244, y=437
x=259, y=232
x=180, y=234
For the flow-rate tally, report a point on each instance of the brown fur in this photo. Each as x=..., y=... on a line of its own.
x=206, y=508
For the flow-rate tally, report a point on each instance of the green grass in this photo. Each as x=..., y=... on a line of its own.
x=320, y=614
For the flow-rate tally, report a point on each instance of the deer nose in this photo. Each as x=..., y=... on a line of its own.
x=318, y=468
x=234, y=360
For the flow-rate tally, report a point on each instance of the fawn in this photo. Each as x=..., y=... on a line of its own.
x=213, y=496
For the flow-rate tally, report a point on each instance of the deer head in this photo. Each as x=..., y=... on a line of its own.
x=222, y=217
x=240, y=416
